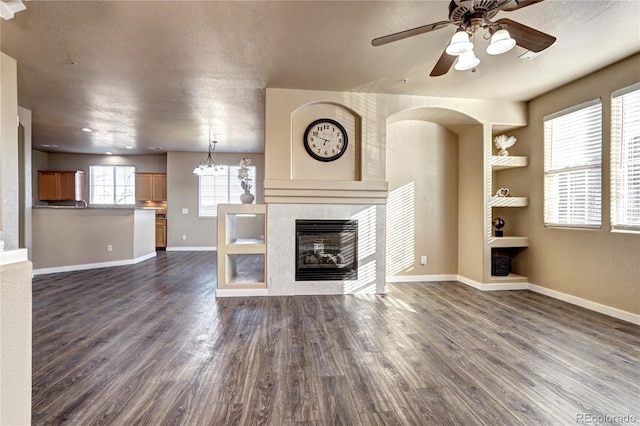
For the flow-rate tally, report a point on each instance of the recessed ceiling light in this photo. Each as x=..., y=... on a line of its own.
x=129, y=147
x=155, y=148
x=49, y=145
x=108, y=152
x=86, y=129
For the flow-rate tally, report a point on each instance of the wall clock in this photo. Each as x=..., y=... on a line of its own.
x=325, y=139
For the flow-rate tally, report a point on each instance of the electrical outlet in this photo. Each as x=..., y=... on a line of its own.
x=423, y=260
x=109, y=247
x=185, y=211
x=184, y=236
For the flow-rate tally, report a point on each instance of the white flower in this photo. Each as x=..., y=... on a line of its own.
x=504, y=141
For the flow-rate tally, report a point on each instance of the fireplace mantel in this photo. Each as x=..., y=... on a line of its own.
x=325, y=192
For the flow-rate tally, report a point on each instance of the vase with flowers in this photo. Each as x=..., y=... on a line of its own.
x=504, y=142
x=245, y=181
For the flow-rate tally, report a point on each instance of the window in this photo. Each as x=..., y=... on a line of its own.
x=222, y=188
x=573, y=167
x=625, y=159
x=111, y=185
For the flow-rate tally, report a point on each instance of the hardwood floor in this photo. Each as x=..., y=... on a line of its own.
x=148, y=344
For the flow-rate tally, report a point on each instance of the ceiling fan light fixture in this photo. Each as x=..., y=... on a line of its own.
x=459, y=44
x=501, y=42
x=466, y=61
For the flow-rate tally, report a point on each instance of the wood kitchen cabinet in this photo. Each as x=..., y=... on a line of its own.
x=62, y=186
x=161, y=233
x=151, y=186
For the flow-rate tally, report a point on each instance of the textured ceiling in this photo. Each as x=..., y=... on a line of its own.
x=162, y=74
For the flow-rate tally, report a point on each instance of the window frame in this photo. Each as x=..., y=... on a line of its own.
x=581, y=176
x=620, y=185
x=114, y=167
x=233, y=189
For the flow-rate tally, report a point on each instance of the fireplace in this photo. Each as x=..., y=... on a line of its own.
x=326, y=250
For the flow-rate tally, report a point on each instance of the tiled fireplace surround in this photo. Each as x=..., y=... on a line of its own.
x=281, y=248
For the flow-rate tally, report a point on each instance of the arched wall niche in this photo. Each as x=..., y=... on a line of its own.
x=453, y=120
x=346, y=168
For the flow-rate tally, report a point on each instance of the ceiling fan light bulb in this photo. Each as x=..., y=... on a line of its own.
x=501, y=42
x=459, y=44
x=466, y=61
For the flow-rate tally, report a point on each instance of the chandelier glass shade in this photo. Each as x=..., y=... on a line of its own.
x=459, y=44
x=501, y=42
x=209, y=166
x=466, y=61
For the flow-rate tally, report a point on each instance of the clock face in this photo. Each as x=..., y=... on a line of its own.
x=325, y=139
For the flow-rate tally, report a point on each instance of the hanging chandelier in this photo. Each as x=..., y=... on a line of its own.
x=209, y=166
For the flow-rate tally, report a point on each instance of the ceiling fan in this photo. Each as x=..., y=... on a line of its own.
x=469, y=16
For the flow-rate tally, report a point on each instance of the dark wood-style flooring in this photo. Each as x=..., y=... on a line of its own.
x=149, y=345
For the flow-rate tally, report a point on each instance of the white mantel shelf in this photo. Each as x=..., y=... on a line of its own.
x=8, y=257
x=502, y=162
x=325, y=192
x=503, y=242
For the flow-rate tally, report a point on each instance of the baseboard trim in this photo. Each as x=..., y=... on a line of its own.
x=419, y=278
x=492, y=287
x=83, y=267
x=241, y=292
x=587, y=304
x=192, y=248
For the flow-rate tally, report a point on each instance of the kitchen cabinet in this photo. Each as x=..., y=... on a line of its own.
x=161, y=233
x=62, y=186
x=151, y=186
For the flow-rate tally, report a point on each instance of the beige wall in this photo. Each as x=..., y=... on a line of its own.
x=422, y=208
x=72, y=237
x=62, y=161
x=9, y=148
x=597, y=265
x=182, y=192
x=15, y=344
x=283, y=139
x=15, y=279
x=471, y=204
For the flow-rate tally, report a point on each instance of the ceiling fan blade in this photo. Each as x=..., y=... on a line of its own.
x=443, y=65
x=527, y=37
x=517, y=4
x=409, y=33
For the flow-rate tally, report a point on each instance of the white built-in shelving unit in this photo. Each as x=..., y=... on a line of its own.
x=509, y=243
x=241, y=261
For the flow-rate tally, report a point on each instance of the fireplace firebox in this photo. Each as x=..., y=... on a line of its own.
x=326, y=250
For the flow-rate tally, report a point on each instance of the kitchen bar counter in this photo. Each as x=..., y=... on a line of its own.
x=76, y=238
x=43, y=206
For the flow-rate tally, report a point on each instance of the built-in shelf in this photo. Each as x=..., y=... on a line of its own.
x=506, y=242
x=510, y=246
x=511, y=278
x=499, y=162
x=241, y=261
x=509, y=202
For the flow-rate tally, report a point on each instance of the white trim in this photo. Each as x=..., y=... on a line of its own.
x=492, y=287
x=574, y=300
x=83, y=267
x=13, y=256
x=241, y=292
x=587, y=304
x=419, y=278
x=192, y=248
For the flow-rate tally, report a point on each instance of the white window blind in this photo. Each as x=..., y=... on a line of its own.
x=112, y=185
x=625, y=159
x=573, y=167
x=222, y=188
